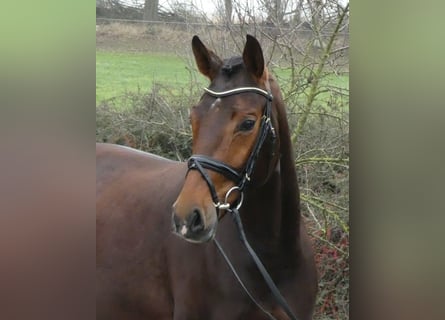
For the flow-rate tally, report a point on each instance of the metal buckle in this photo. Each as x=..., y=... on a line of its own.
x=222, y=206
x=240, y=202
x=226, y=205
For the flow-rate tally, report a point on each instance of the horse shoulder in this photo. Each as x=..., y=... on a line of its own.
x=134, y=194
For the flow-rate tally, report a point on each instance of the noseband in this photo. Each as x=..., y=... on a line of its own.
x=241, y=178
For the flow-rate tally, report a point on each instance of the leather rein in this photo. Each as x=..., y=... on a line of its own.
x=242, y=179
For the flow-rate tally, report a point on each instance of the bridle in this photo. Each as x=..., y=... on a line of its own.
x=242, y=179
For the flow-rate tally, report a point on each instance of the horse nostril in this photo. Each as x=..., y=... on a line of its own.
x=176, y=222
x=196, y=222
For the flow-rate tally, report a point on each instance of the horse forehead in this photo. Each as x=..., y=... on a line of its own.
x=215, y=104
x=227, y=106
x=232, y=74
x=227, y=80
x=210, y=105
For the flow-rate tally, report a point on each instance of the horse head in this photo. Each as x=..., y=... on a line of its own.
x=234, y=114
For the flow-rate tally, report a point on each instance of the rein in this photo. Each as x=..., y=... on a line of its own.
x=241, y=179
x=266, y=276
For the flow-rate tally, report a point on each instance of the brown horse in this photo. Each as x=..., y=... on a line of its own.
x=242, y=158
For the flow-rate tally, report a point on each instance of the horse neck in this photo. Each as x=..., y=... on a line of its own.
x=272, y=211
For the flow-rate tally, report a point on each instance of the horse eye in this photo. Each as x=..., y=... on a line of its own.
x=247, y=125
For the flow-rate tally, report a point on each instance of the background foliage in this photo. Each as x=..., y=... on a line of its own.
x=308, y=54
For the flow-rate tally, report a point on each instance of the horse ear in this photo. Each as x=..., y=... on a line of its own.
x=253, y=57
x=207, y=61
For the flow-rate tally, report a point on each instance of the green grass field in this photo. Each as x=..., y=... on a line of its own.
x=117, y=73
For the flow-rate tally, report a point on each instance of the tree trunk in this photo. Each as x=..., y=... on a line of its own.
x=151, y=10
x=228, y=10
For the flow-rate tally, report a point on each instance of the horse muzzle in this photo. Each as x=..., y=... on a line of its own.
x=194, y=226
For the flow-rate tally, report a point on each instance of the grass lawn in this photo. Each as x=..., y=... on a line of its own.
x=118, y=72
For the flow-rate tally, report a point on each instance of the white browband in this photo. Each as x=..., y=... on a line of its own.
x=239, y=90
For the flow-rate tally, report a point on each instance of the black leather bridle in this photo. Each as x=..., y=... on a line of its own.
x=241, y=179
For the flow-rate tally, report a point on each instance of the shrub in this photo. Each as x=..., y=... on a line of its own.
x=151, y=122
x=157, y=121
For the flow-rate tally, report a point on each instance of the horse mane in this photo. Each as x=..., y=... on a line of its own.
x=290, y=220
